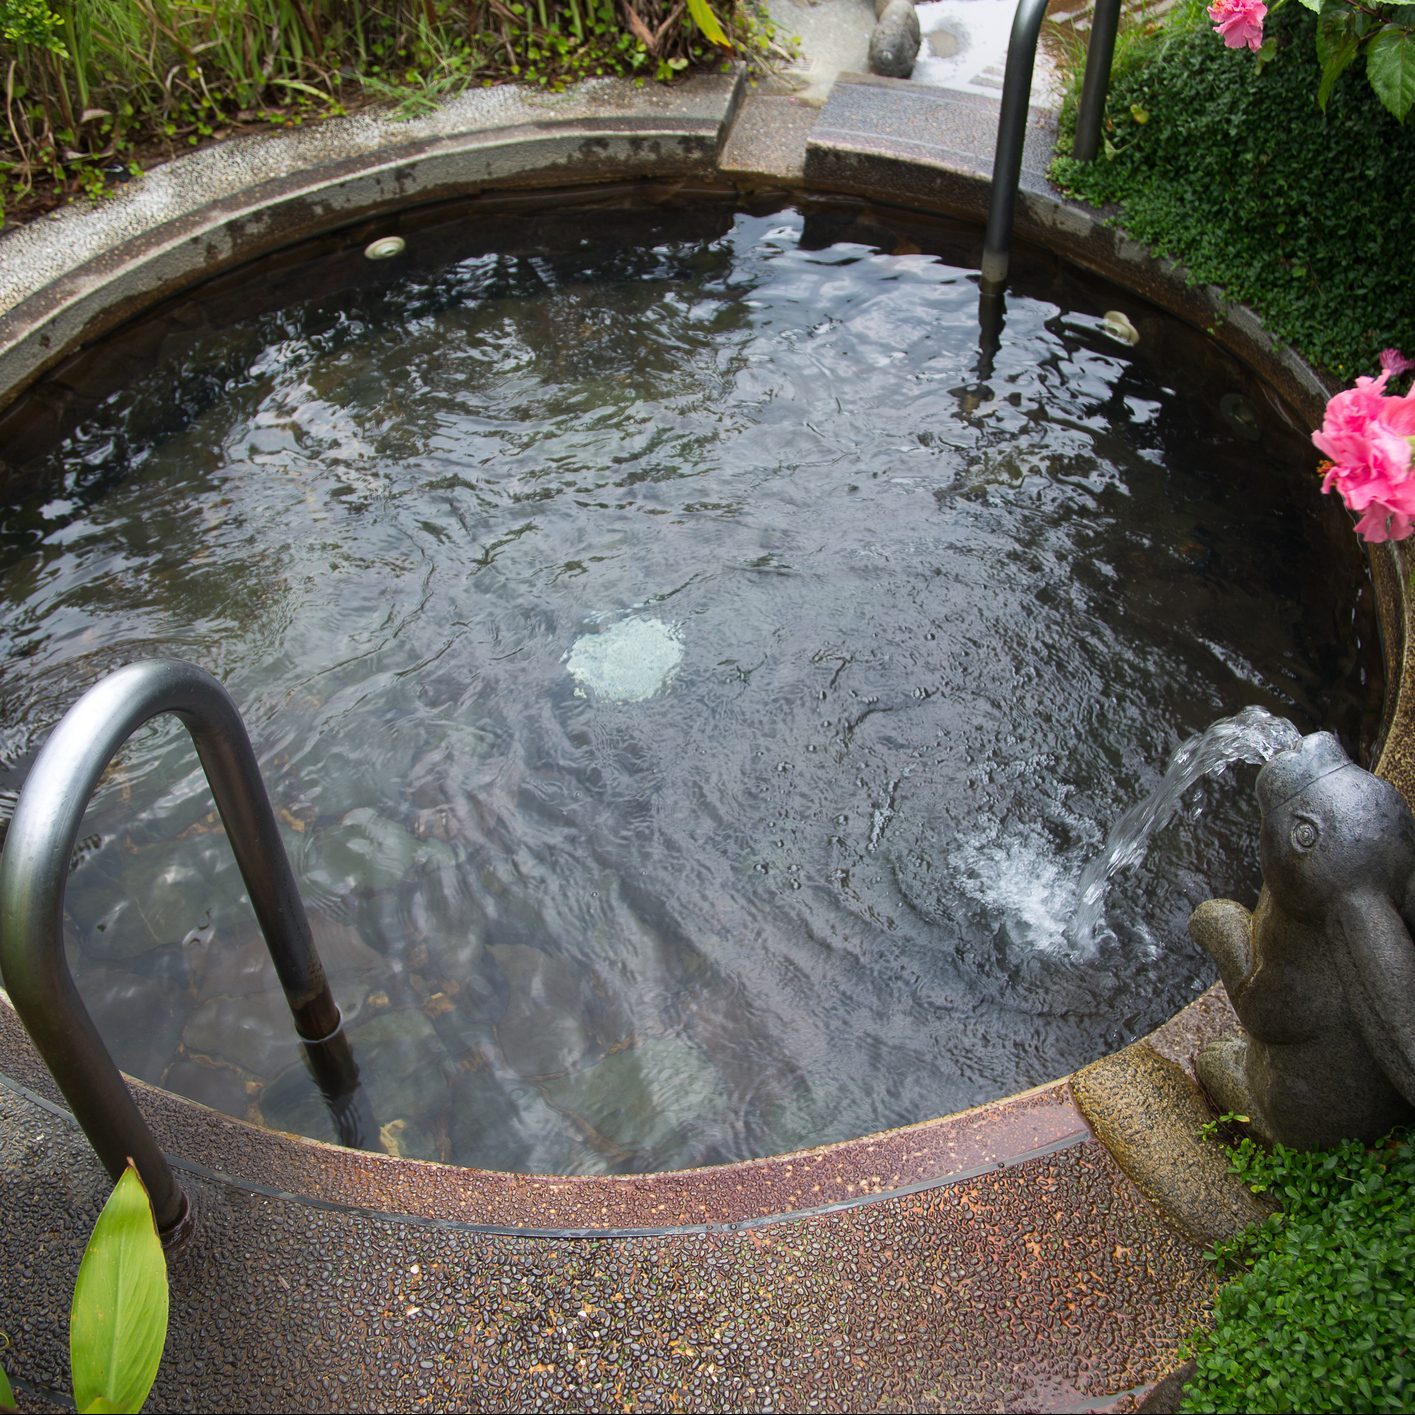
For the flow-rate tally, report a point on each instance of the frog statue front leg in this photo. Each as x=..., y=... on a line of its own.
x=1322, y=972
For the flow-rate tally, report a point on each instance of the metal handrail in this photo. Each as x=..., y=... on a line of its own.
x=1100, y=51
x=34, y=867
x=1012, y=121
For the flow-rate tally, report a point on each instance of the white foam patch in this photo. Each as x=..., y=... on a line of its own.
x=1024, y=886
x=1025, y=883
x=631, y=661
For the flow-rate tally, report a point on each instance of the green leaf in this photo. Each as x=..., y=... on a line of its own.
x=706, y=21
x=1390, y=66
x=1313, y=5
x=118, y=1325
x=7, y=1396
x=1338, y=40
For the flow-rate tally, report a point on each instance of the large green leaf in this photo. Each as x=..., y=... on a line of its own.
x=1390, y=66
x=706, y=21
x=7, y=1396
x=118, y=1325
x=1339, y=30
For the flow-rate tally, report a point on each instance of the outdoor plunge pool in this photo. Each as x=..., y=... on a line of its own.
x=689, y=691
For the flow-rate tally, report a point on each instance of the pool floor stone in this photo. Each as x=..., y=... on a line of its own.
x=1009, y=1258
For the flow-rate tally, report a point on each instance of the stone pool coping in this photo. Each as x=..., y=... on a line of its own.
x=1032, y=1162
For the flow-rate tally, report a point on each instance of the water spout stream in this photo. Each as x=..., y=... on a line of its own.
x=1252, y=735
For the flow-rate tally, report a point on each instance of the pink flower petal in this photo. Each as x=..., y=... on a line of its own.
x=1393, y=361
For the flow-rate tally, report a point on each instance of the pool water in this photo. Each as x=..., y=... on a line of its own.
x=689, y=692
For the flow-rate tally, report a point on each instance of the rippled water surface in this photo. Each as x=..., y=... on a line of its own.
x=690, y=693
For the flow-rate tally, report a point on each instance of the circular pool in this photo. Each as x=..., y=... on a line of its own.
x=691, y=686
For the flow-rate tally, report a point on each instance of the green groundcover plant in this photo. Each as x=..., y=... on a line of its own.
x=1232, y=168
x=1321, y=1313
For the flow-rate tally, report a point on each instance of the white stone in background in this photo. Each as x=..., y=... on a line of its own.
x=627, y=663
x=1116, y=323
x=894, y=45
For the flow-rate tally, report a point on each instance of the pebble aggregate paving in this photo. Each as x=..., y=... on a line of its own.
x=1049, y=1284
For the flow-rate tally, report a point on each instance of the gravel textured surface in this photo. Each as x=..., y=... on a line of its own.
x=1047, y=1284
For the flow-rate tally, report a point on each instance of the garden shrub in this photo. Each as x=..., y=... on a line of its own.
x=1322, y=1314
x=1230, y=167
x=93, y=86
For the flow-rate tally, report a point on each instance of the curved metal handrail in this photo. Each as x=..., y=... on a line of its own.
x=1012, y=121
x=34, y=866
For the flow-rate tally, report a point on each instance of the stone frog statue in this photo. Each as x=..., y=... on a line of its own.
x=1322, y=973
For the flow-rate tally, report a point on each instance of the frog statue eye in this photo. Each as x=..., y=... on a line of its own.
x=1305, y=834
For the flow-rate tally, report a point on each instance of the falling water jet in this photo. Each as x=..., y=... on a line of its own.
x=1253, y=735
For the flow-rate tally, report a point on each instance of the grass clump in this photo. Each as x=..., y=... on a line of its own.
x=1321, y=1316
x=95, y=89
x=1229, y=167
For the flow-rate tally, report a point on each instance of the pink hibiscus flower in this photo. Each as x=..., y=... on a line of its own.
x=1369, y=436
x=1393, y=361
x=1240, y=22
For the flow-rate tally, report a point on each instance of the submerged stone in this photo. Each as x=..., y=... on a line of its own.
x=236, y=962
x=548, y=1025
x=367, y=851
x=218, y=1087
x=156, y=902
x=502, y=1123
x=628, y=662
x=132, y=1007
x=254, y=1033
x=636, y=1101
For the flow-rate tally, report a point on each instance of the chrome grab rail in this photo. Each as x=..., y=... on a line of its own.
x=1012, y=121
x=34, y=866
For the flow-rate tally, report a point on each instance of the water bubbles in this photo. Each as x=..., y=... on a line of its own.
x=1196, y=802
x=1019, y=880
